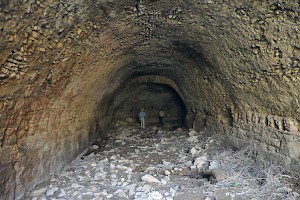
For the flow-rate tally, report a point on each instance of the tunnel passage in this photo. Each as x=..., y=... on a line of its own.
x=234, y=62
x=153, y=98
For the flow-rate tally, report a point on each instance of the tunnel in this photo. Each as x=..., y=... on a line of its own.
x=152, y=97
x=69, y=70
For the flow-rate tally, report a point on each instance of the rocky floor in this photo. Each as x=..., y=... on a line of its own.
x=164, y=164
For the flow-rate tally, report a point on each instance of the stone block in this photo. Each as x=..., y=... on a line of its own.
x=294, y=149
x=291, y=125
x=274, y=142
x=9, y=131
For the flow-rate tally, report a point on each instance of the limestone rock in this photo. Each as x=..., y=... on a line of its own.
x=192, y=139
x=214, y=165
x=167, y=173
x=193, y=151
x=51, y=191
x=200, y=161
x=39, y=192
x=149, y=179
x=155, y=195
x=192, y=133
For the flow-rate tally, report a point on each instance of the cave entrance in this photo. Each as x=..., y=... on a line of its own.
x=153, y=97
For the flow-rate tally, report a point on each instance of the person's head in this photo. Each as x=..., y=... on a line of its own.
x=142, y=109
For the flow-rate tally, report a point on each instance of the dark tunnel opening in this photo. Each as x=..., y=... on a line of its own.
x=152, y=97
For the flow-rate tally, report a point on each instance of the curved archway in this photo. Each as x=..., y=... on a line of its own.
x=153, y=93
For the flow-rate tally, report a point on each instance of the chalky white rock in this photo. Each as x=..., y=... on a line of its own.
x=149, y=179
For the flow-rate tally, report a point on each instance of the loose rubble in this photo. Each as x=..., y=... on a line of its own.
x=157, y=164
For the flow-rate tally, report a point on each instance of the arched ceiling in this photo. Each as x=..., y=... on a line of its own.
x=62, y=62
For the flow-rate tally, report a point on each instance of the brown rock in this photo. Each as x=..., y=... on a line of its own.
x=9, y=131
x=34, y=34
x=219, y=174
x=179, y=130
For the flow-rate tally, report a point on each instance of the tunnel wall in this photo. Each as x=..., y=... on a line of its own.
x=62, y=61
x=276, y=137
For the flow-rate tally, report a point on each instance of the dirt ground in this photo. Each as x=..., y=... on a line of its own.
x=165, y=164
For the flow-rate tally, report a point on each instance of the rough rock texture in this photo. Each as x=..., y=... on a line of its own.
x=148, y=164
x=63, y=64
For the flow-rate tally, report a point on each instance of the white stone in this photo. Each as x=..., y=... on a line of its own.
x=131, y=193
x=76, y=186
x=62, y=193
x=139, y=188
x=146, y=188
x=109, y=196
x=155, y=195
x=141, y=196
x=95, y=147
x=167, y=173
x=200, y=161
x=295, y=194
x=122, y=194
x=193, y=151
x=104, y=160
x=137, y=151
x=113, y=176
x=112, y=165
x=131, y=187
x=39, y=192
x=167, y=178
x=214, y=165
x=149, y=179
x=193, y=167
x=198, y=146
x=165, y=163
x=163, y=181
x=172, y=192
x=51, y=191
x=192, y=139
x=192, y=133
x=113, y=157
x=232, y=195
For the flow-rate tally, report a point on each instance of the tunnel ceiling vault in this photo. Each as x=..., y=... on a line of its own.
x=63, y=62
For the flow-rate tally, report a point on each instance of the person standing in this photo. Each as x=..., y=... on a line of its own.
x=142, y=117
x=161, y=117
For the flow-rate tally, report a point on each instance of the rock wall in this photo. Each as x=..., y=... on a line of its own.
x=276, y=138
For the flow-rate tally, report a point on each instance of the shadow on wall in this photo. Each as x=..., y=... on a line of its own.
x=153, y=98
